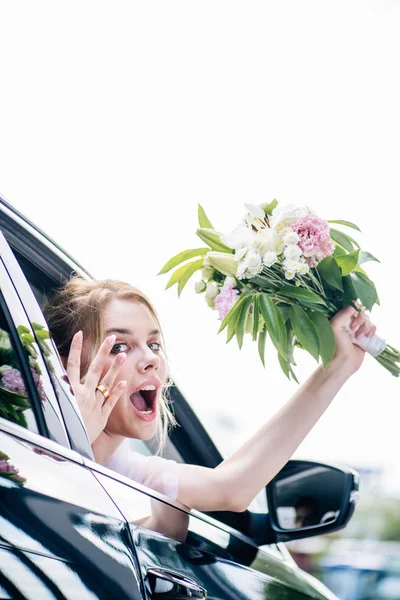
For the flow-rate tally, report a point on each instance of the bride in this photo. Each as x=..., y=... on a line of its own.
x=111, y=343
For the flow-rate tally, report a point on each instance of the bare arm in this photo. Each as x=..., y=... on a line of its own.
x=237, y=480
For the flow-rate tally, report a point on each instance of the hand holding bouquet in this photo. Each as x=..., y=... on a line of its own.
x=283, y=273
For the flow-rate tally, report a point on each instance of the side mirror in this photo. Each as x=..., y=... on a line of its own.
x=307, y=498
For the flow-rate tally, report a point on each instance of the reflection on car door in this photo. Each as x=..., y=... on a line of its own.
x=208, y=561
x=60, y=534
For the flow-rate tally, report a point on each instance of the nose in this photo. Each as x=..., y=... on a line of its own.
x=148, y=360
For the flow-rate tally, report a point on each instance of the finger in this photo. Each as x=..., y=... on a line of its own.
x=96, y=368
x=109, y=378
x=74, y=360
x=343, y=317
x=109, y=404
x=359, y=321
x=367, y=330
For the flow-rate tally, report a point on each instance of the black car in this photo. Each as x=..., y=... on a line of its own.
x=71, y=528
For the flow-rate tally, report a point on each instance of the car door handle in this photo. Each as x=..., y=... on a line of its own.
x=163, y=584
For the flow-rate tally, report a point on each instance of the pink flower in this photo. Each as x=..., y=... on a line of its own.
x=226, y=298
x=11, y=379
x=10, y=472
x=315, y=241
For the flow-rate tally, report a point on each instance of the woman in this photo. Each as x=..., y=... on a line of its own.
x=111, y=343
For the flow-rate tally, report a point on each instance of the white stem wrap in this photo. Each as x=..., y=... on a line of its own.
x=373, y=345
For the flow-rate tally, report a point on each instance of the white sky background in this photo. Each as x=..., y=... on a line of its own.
x=117, y=118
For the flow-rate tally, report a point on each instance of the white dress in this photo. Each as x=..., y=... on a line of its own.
x=154, y=472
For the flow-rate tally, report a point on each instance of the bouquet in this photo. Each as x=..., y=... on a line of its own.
x=282, y=273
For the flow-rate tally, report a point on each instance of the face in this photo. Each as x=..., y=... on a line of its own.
x=137, y=335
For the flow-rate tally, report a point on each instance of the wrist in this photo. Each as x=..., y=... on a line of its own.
x=340, y=369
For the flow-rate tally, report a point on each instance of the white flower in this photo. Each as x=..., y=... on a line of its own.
x=256, y=210
x=292, y=252
x=231, y=281
x=241, y=236
x=212, y=290
x=207, y=273
x=250, y=266
x=200, y=287
x=285, y=215
x=241, y=270
x=239, y=254
x=254, y=262
x=289, y=236
x=304, y=269
x=269, y=258
x=270, y=241
x=292, y=265
x=289, y=274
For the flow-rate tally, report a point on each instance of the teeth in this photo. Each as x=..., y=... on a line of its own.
x=148, y=388
x=145, y=412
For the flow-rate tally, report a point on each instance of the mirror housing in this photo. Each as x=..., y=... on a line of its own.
x=308, y=498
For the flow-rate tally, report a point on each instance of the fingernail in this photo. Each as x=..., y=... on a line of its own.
x=79, y=336
x=121, y=357
x=355, y=328
x=122, y=384
x=111, y=340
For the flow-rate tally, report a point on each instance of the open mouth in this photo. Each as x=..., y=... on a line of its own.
x=145, y=400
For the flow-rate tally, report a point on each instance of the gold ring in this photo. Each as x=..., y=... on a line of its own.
x=102, y=388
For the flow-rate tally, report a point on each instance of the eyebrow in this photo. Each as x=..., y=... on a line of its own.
x=124, y=331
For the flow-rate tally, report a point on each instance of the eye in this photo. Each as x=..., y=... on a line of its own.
x=120, y=347
x=155, y=346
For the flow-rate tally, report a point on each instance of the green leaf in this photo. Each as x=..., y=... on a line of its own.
x=21, y=329
x=242, y=320
x=270, y=207
x=299, y=293
x=37, y=326
x=326, y=337
x=346, y=223
x=180, y=273
x=234, y=310
x=349, y=293
x=42, y=334
x=14, y=398
x=182, y=257
x=231, y=327
x=348, y=262
x=27, y=337
x=274, y=323
x=338, y=251
x=204, y=221
x=212, y=239
x=262, y=338
x=256, y=317
x=284, y=365
x=365, y=289
x=366, y=257
x=191, y=268
x=344, y=240
x=304, y=330
x=330, y=272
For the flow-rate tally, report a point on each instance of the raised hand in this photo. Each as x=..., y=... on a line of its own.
x=348, y=325
x=96, y=394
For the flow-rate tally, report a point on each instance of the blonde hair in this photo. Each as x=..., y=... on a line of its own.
x=79, y=306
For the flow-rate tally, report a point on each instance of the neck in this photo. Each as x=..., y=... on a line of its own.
x=105, y=446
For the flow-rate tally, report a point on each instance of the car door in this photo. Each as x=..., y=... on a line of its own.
x=61, y=536
x=184, y=554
